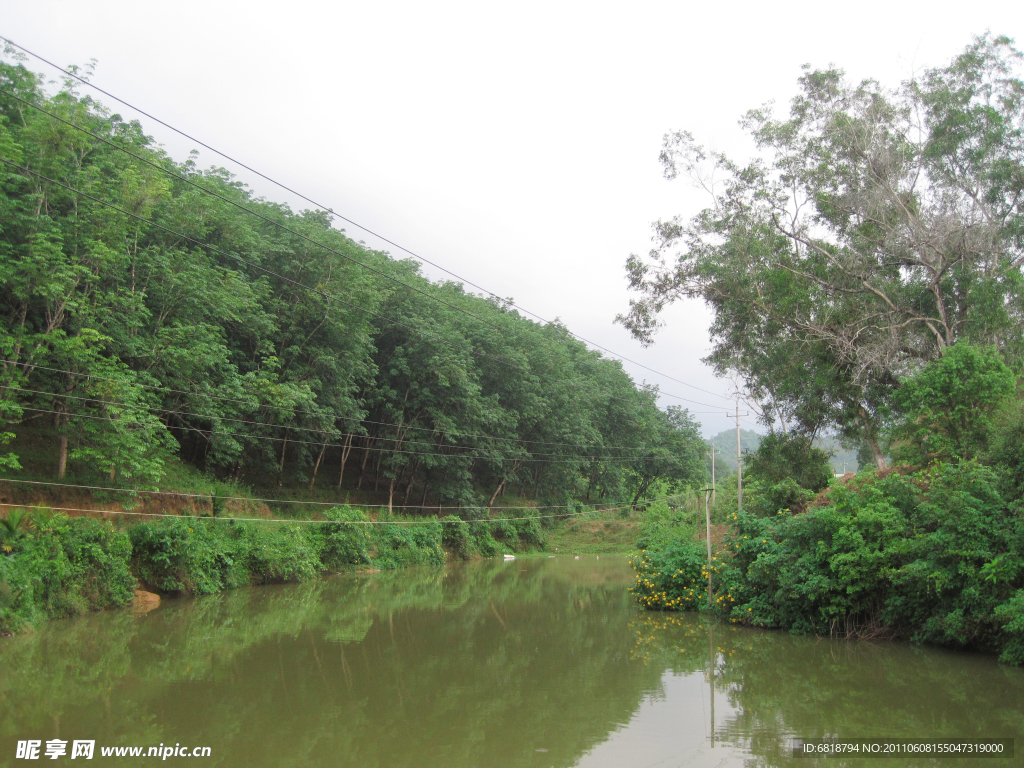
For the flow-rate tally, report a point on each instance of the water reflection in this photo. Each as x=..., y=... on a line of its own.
x=532, y=663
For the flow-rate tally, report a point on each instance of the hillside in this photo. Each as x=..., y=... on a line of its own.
x=843, y=459
x=154, y=315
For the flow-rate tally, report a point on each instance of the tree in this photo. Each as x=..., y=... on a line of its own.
x=781, y=456
x=675, y=455
x=149, y=307
x=945, y=411
x=874, y=230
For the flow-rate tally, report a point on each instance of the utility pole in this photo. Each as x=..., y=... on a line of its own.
x=713, y=452
x=739, y=462
x=739, y=458
x=707, y=523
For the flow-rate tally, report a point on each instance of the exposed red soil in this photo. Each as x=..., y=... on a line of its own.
x=718, y=533
x=80, y=502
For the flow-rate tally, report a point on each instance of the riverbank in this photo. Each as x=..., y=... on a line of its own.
x=933, y=556
x=55, y=566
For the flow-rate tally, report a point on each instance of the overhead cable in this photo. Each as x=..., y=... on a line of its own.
x=330, y=297
x=298, y=411
x=218, y=518
x=333, y=213
x=308, y=503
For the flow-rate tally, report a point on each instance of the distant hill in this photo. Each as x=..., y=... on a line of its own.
x=725, y=443
x=843, y=459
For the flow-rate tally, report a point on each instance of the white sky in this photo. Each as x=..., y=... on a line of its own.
x=515, y=144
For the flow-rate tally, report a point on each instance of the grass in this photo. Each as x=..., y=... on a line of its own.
x=594, y=535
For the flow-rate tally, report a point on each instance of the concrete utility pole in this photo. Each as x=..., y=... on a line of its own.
x=739, y=458
x=713, y=452
x=739, y=462
x=707, y=523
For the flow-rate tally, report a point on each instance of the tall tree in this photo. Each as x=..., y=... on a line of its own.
x=874, y=230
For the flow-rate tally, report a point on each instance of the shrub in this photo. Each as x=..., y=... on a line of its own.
x=403, y=545
x=277, y=552
x=345, y=541
x=934, y=556
x=455, y=535
x=483, y=540
x=65, y=568
x=530, y=533
x=1007, y=450
x=674, y=577
x=187, y=555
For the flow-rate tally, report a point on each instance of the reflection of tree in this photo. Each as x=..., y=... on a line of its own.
x=782, y=686
x=477, y=665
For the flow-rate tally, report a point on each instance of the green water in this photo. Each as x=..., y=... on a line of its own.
x=535, y=662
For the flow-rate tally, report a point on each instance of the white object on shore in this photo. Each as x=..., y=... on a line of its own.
x=510, y=557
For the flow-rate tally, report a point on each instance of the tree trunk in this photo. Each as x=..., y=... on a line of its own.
x=876, y=453
x=62, y=450
x=496, y=492
x=423, y=499
x=391, y=494
x=62, y=457
x=362, y=467
x=316, y=467
x=346, y=449
x=871, y=438
x=280, y=475
x=413, y=466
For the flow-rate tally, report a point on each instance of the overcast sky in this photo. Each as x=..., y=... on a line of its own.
x=515, y=144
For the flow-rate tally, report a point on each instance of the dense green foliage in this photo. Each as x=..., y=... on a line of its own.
x=933, y=556
x=946, y=411
x=61, y=568
x=933, y=553
x=56, y=566
x=149, y=308
x=781, y=456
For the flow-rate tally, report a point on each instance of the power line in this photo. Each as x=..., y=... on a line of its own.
x=329, y=297
x=244, y=209
x=265, y=424
x=282, y=426
x=270, y=221
x=331, y=211
x=297, y=411
x=575, y=460
x=296, y=501
x=332, y=522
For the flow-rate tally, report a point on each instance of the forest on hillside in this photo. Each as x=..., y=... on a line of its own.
x=155, y=311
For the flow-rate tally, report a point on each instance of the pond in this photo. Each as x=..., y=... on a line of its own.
x=536, y=662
